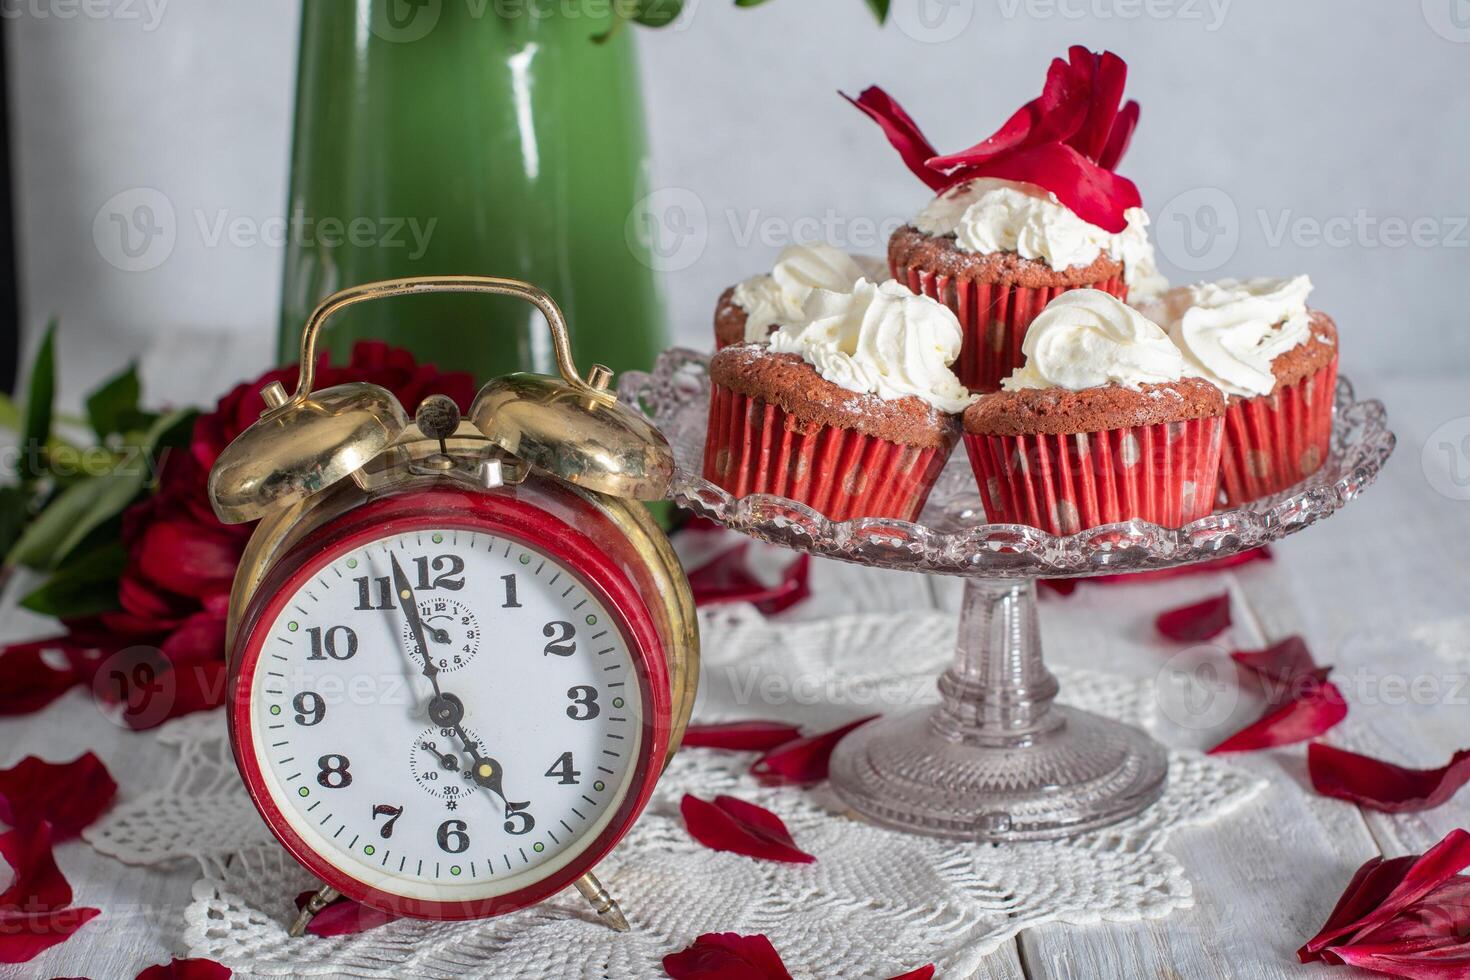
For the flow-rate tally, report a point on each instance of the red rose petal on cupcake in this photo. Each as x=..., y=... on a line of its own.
x=1380, y=785
x=67, y=795
x=1055, y=115
x=802, y=761
x=37, y=884
x=343, y=917
x=186, y=970
x=1197, y=621
x=1315, y=710
x=1384, y=889
x=1097, y=196
x=734, y=825
x=741, y=736
x=727, y=956
x=1120, y=138
x=902, y=132
x=24, y=936
x=1110, y=74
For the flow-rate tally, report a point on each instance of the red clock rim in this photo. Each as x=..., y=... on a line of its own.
x=505, y=516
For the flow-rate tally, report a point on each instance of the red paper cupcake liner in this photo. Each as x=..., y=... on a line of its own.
x=1277, y=440
x=753, y=446
x=993, y=319
x=1165, y=473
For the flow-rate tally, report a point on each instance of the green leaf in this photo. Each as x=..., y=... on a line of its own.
x=39, y=544
x=878, y=7
x=114, y=406
x=752, y=3
x=9, y=413
x=14, y=510
x=40, y=394
x=657, y=13
x=84, y=587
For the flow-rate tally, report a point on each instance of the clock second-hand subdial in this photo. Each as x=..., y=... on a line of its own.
x=447, y=710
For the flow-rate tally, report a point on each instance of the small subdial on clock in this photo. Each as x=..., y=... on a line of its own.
x=452, y=632
x=441, y=765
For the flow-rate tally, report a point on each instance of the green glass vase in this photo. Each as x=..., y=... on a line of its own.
x=470, y=136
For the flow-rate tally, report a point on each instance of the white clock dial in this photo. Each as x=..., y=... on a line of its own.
x=475, y=775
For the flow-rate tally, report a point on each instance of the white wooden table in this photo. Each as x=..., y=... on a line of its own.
x=1379, y=590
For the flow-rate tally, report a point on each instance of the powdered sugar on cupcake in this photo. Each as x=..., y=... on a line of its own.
x=880, y=339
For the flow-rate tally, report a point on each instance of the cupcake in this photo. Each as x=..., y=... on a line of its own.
x=1101, y=424
x=1026, y=214
x=1276, y=362
x=850, y=411
x=748, y=311
x=998, y=251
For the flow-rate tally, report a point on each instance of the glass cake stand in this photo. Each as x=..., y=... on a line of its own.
x=997, y=759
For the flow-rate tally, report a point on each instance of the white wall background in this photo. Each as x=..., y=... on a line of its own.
x=1320, y=136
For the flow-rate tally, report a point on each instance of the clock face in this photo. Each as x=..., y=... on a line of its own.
x=444, y=714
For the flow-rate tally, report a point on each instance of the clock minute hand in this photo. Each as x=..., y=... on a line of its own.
x=415, y=622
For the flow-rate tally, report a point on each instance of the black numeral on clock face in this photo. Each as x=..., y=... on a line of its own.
x=332, y=771
x=510, y=592
x=584, y=706
x=452, y=837
x=562, y=644
x=561, y=770
x=392, y=813
x=310, y=708
x=517, y=820
x=450, y=569
x=338, y=642
x=365, y=587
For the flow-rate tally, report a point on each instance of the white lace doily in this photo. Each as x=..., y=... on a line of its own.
x=875, y=903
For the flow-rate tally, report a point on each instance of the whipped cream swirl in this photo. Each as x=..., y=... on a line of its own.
x=777, y=298
x=1231, y=331
x=880, y=339
x=989, y=215
x=1086, y=338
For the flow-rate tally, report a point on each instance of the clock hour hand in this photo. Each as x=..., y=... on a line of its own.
x=447, y=711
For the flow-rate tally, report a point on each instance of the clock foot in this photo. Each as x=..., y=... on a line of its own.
x=605, y=905
x=326, y=896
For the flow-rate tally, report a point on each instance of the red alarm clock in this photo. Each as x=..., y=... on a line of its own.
x=461, y=652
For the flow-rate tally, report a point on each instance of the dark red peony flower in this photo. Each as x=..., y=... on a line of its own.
x=174, y=591
x=1068, y=140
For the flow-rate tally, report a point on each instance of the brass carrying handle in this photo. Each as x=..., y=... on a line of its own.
x=596, y=383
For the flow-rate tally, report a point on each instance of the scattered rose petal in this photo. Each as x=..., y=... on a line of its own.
x=1288, y=661
x=741, y=736
x=34, y=674
x=731, y=824
x=802, y=761
x=1380, y=785
x=1196, y=622
x=727, y=956
x=1418, y=904
x=728, y=577
x=67, y=795
x=24, y=937
x=37, y=884
x=1315, y=710
x=186, y=970
x=922, y=973
x=343, y=917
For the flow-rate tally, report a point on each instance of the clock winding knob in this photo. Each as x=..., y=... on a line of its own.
x=437, y=417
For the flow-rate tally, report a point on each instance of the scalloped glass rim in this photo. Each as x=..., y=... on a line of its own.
x=951, y=538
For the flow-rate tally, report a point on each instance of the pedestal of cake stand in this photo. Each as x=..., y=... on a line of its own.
x=998, y=759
